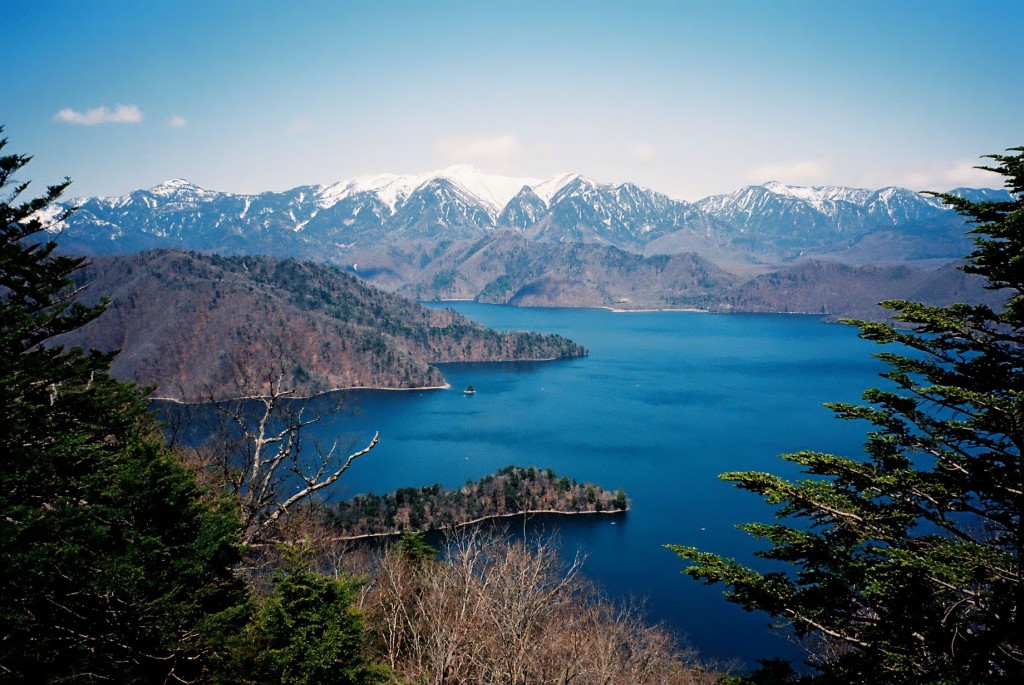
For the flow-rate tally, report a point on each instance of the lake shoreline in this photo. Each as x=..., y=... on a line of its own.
x=664, y=404
x=482, y=519
x=637, y=310
x=356, y=388
x=174, y=400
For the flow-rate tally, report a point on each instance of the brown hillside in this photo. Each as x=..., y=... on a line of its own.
x=831, y=288
x=194, y=324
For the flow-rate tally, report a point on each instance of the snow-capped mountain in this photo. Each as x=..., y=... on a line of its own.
x=982, y=194
x=177, y=213
x=795, y=208
x=490, y=191
x=523, y=210
x=790, y=221
x=773, y=221
x=624, y=215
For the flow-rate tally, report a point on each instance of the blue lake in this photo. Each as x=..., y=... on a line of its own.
x=665, y=402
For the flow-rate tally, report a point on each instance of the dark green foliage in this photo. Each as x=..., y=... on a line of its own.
x=620, y=502
x=512, y=490
x=905, y=567
x=308, y=632
x=115, y=564
x=413, y=546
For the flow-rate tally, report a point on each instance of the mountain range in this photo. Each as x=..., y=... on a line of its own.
x=768, y=224
x=462, y=234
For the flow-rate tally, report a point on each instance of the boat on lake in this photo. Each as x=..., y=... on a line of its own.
x=470, y=390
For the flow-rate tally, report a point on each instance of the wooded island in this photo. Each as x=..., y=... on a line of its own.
x=511, y=491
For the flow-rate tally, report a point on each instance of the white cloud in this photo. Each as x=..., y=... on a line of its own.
x=947, y=175
x=121, y=114
x=642, y=152
x=496, y=152
x=965, y=174
x=806, y=172
x=177, y=122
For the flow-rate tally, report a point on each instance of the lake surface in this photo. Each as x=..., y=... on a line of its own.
x=665, y=402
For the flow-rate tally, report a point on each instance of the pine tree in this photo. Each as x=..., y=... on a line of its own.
x=308, y=631
x=905, y=566
x=114, y=564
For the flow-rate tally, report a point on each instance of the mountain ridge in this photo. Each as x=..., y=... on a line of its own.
x=771, y=223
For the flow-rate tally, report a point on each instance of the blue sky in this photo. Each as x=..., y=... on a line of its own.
x=689, y=98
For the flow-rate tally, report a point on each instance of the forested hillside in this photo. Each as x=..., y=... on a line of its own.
x=506, y=268
x=833, y=289
x=198, y=325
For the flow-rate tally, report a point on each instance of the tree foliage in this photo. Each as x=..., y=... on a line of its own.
x=511, y=490
x=906, y=566
x=308, y=631
x=114, y=563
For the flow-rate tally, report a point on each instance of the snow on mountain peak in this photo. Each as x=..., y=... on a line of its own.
x=820, y=197
x=493, y=191
x=799, y=192
x=175, y=185
x=546, y=190
x=390, y=188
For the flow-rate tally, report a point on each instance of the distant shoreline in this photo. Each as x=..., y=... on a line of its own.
x=566, y=306
x=639, y=310
x=510, y=361
x=482, y=519
x=618, y=310
x=446, y=386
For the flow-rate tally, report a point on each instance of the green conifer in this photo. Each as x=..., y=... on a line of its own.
x=905, y=567
x=114, y=564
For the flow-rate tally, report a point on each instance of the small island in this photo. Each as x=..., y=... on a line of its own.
x=512, y=491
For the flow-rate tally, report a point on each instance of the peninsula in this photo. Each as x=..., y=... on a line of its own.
x=197, y=326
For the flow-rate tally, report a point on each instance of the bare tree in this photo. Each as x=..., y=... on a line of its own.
x=259, y=448
x=496, y=611
x=528, y=587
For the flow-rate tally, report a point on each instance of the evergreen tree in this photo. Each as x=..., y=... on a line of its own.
x=621, y=502
x=307, y=631
x=114, y=564
x=905, y=567
x=413, y=545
